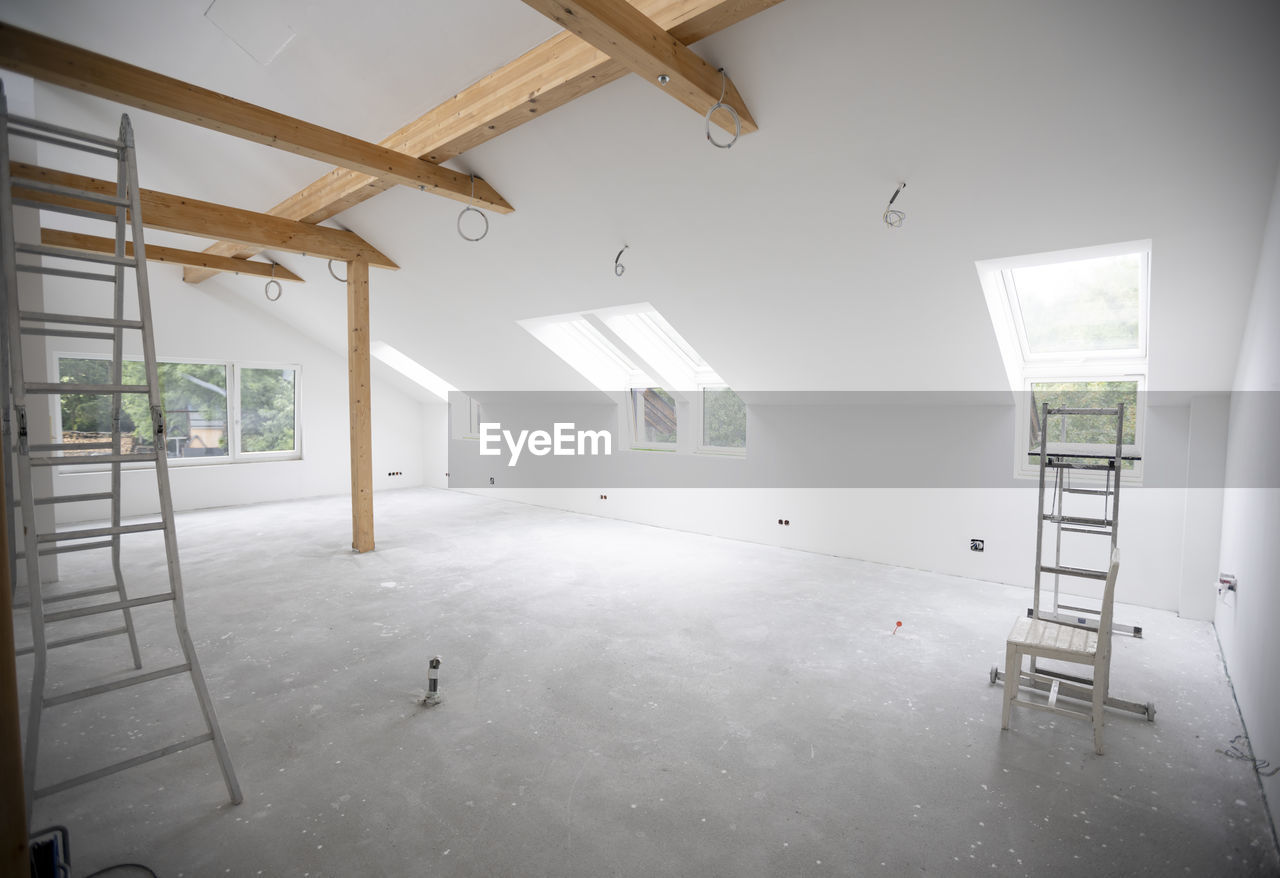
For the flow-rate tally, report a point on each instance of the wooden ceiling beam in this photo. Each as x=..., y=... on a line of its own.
x=549, y=75
x=48, y=60
x=628, y=36
x=204, y=219
x=170, y=255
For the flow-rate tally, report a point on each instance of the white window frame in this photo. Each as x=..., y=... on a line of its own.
x=1024, y=368
x=233, y=370
x=633, y=404
x=703, y=448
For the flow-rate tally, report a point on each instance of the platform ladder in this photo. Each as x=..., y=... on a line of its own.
x=121, y=209
x=1062, y=459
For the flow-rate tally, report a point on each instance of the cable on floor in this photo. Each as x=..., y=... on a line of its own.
x=1240, y=748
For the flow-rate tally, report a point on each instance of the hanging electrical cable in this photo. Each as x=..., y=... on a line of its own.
x=891, y=217
x=273, y=282
x=737, y=123
x=334, y=274
x=618, y=267
x=471, y=208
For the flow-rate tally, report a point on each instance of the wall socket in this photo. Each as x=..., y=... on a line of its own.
x=977, y=545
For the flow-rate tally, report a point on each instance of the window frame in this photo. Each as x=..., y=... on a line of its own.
x=234, y=415
x=724, y=450
x=1024, y=368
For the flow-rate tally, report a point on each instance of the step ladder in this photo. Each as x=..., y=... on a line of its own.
x=1063, y=459
x=121, y=210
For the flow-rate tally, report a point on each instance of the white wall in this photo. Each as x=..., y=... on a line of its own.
x=1248, y=621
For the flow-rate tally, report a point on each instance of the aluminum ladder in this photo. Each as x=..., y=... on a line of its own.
x=1062, y=459
x=121, y=209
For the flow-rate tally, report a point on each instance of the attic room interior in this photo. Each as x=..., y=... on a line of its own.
x=719, y=476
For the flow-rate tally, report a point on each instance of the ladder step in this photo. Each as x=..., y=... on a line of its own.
x=1079, y=411
x=71, y=192
x=70, y=595
x=1067, y=464
x=78, y=320
x=80, y=460
x=68, y=498
x=68, y=209
x=66, y=333
x=70, y=547
x=1077, y=519
x=55, y=700
x=67, y=272
x=1086, y=530
x=62, y=141
x=1097, y=492
x=72, y=641
x=81, y=255
x=89, y=532
x=69, y=133
x=1078, y=572
x=64, y=446
x=98, y=609
x=61, y=388
x=122, y=766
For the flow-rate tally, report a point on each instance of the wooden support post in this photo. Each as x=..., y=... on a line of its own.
x=361, y=409
x=13, y=806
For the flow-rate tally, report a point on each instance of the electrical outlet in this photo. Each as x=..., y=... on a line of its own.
x=977, y=545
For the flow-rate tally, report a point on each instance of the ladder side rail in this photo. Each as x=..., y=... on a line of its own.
x=1044, y=455
x=162, y=466
x=1115, y=498
x=117, y=399
x=9, y=259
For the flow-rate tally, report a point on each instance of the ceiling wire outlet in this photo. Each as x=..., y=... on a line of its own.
x=977, y=545
x=1227, y=581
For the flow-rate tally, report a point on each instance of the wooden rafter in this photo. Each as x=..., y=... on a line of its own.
x=174, y=213
x=626, y=34
x=548, y=76
x=48, y=60
x=171, y=255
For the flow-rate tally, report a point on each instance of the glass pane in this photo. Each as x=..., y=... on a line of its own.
x=724, y=419
x=656, y=410
x=86, y=417
x=267, y=409
x=195, y=406
x=473, y=417
x=1099, y=429
x=1090, y=305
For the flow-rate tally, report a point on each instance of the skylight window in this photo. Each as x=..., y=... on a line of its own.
x=1072, y=330
x=411, y=369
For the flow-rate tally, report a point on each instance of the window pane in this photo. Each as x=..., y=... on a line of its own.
x=1084, y=428
x=267, y=402
x=473, y=417
x=1089, y=305
x=724, y=419
x=656, y=415
x=86, y=417
x=195, y=406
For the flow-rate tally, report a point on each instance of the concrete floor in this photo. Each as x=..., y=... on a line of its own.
x=624, y=700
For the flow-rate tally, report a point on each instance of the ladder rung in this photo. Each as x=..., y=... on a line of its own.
x=66, y=333
x=122, y=766
x=77, y=547
x=98, y=609
x=1065, y=464
x=1077, y=519
x=67, y=272
x=1099, y=492
x=63, y=141
x=70, y=192
x=71, y=641
x=68, y=209
x=78, y=320
x=102, y=689
x=63, y=446
x=81, y=460
x=1086, y=530
x=82, y=255
x=70, y=595
x=1077, y=411
x=1078, y=572
x=89, y=532
x=71, y=133
x=61, y=388
x=70, y=498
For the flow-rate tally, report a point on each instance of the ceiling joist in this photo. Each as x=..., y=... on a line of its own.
x=628, y=36
x=549, y=75
x=62, y=64
x=170, y=255
x=204, y=219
